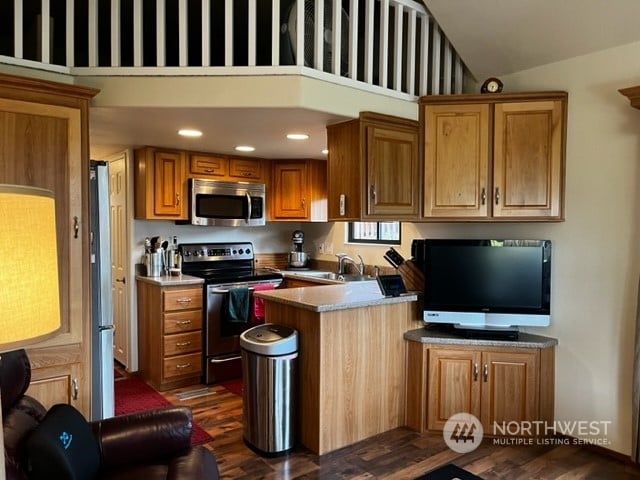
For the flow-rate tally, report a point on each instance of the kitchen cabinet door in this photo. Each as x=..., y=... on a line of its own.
x=454, y=385
x=160, y=184
x=44, y=131
x=392, y=170
x=456, y=170
x=249, y=169
x=299, y=190
x=527, y=159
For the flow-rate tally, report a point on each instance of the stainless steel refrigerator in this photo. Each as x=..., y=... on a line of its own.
x=102, y=401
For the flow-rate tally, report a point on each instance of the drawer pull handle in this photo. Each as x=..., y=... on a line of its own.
x=222, y=360
x=182, y=344
x=183, y=322
x=184, y=300
x=183, y=365
x=486, y=372
x=75, y=388
x=475, y=372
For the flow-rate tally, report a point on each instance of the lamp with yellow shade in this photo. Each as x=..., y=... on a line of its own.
x=29, y=293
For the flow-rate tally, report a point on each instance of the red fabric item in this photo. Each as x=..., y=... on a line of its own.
x=258, y=303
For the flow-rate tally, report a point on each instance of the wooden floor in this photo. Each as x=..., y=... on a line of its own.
x=398, y=454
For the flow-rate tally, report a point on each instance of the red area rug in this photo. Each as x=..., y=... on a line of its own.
x=133, y=395
x=234, y=386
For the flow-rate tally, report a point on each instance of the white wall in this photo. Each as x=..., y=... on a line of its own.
x=596, y=251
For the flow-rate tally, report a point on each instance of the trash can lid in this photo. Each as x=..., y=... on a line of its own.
x=270, y=339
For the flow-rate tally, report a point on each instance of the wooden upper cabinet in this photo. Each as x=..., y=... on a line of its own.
x=298, y=190
x=494, y=157
x=44, y=129
x=456, y=161
x=160, y=184
x=208, y=166
x=373, y=168
x=249, y=169
x=528, y=159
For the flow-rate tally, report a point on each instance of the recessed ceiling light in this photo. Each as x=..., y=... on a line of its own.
x=189, y=132
x=297, y=136
x=245, y=148
x=325, y=151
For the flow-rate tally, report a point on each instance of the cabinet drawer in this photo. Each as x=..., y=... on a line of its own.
x=182, y=343
x=245, y=168
x=179, y=322
x=182, y=299
x=208, y=166
x=182, y=365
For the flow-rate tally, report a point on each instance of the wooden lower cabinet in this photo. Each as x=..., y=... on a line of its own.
x=493, y=383
x=170, y=334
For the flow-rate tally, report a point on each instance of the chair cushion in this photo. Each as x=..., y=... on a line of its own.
x=63, y=446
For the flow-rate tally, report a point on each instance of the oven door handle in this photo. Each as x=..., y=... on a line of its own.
x=248, y=206
x=226, y=290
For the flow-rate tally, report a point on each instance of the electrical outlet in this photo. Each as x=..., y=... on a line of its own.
x=328, y=248
x=321, y=248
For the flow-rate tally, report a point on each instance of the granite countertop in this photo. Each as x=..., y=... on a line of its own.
x=325, y=298
x=525, y=340
x=171, y=281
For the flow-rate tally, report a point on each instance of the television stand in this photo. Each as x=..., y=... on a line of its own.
x=487, y=333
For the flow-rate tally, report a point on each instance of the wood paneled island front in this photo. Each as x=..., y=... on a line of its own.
x=351, y=378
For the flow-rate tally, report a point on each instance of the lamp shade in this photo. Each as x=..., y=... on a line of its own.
x=29, y=293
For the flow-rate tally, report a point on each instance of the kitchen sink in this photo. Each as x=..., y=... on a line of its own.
x=339, y=277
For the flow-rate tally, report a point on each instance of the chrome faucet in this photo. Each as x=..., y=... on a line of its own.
x=344, y=258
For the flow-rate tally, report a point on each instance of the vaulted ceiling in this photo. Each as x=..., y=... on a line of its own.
x=497, y=37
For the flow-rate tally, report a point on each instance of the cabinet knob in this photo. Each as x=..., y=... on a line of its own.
x=483, y=196
x=497, y=196
x=303, y=203
x=372, y=193
x=177, y=199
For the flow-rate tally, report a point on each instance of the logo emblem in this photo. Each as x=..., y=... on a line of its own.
x=66, y=439
x=463, y=432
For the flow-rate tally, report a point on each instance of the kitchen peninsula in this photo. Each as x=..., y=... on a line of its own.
x=351, y=370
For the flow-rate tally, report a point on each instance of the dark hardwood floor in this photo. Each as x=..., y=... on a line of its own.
x=398, y=454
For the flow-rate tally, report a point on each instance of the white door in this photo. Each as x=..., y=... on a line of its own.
x=118, y=202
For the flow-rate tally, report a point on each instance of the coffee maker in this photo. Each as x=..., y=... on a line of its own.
x=298, y=259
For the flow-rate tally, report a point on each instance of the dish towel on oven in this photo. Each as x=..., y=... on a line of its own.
x=235, y=306
x=258, y=303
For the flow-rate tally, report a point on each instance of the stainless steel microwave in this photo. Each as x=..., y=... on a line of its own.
x=229, y=204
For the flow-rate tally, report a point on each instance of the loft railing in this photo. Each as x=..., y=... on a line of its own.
x=389, y=46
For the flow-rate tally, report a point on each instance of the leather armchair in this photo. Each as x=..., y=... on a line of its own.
x=155, y=444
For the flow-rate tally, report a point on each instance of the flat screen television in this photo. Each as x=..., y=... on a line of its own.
x=486, y=284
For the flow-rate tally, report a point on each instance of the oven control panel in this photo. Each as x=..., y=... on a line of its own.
x=210, y=252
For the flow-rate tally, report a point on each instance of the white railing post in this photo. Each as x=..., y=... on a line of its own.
x=368, y=42
x=69, y=34
x=252, y=33
x=336, y=47
x=115, y=33
x=18, y=39
x=411, y=53
x=448, y=67
x=228, y=33
x=384, y=42
x=137, y=34
x=45, y=32
x=183, y=34
x=424, y=55
x=161, y=51
x=353, y=40
x=300, y=33
x=93, y=33
x=397, y=50
x=275, y=32
x=435, y=63
x=206, y=33
x=318, y=35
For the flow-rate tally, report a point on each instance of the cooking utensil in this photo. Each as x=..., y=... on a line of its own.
x=393, y=257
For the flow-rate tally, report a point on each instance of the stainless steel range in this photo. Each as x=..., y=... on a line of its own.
x=225, y=267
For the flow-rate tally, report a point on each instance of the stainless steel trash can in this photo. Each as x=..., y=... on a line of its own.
x=269, y=357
